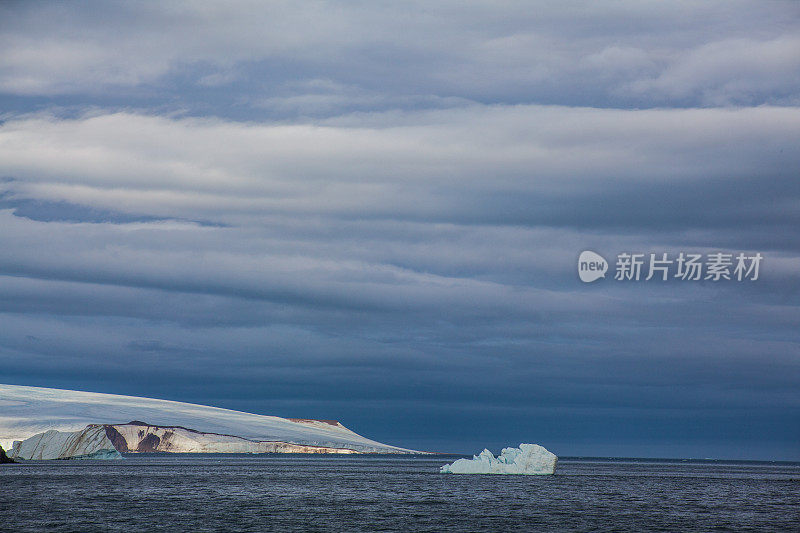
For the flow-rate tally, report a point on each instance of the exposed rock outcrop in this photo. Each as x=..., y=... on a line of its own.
x=4, y=459
x=89, y=443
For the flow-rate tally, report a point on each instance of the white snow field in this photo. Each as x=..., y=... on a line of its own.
x=29, y=411
x=527, y=459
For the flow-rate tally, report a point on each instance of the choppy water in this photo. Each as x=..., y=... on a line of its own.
x=318, y=493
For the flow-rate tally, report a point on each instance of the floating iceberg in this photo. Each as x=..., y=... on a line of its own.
x=527, y=459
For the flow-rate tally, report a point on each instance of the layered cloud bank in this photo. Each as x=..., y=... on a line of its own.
x=320, y=57
x=373, y=213
x=481, y=164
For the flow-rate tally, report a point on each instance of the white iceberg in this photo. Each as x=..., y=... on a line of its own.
x=529, y=459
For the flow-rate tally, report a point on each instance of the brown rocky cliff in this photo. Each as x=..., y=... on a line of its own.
x=4, y=458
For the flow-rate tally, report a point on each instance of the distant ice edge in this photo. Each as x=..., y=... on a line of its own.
x=106, y=441
x=89, y=424
x=528, y=459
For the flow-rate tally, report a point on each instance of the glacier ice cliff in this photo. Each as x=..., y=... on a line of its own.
x=108, y=441
x=139, y=437
x=527, y=459
x=169, y=426
x=89, y=443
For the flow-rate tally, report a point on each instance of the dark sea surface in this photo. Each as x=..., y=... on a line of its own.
x=393, y=493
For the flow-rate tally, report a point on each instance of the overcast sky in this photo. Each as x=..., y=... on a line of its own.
x=372, y=212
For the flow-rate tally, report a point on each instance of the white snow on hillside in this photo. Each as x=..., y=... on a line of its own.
x=27, y=411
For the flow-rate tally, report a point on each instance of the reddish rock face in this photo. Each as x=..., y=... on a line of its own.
x=116, y=439
x=149, y=444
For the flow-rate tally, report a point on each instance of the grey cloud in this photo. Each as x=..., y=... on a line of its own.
x=629, y=53
x=377, y=218
x=495, y=165
x=730, y=71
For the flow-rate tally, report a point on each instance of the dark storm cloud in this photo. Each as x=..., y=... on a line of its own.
x=373, y=212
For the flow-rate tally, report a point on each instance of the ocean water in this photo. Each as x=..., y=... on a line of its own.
x=393, y=493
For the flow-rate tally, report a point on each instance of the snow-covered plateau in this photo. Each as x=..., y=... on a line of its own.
x=527, y=459
x=42, y=423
